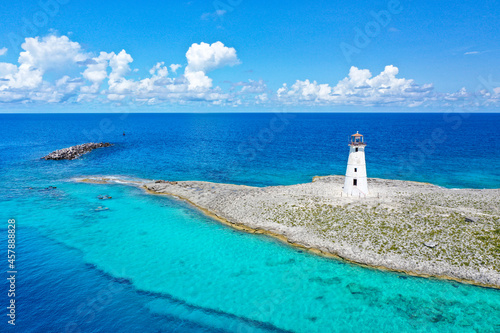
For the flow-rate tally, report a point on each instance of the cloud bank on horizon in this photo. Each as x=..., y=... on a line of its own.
x=55, y=70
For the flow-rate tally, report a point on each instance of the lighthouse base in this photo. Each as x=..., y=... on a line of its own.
x=356, y=187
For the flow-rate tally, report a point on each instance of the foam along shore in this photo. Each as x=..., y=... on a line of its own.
x=417, y=228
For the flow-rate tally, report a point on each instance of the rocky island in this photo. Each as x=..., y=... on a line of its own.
x=74, y=152
x=405, y=226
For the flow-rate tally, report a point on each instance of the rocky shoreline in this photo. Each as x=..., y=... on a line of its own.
x=416, y=228
x=74, y=152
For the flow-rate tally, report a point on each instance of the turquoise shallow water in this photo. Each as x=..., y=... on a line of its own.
x=163, y=247
x=153, y=264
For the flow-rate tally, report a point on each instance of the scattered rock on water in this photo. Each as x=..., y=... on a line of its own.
x=74, y=152
x=354, y=288
x=327, y=281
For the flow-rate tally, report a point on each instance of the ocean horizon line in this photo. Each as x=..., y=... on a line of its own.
x=263, y=112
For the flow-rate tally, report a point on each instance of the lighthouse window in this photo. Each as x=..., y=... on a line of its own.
x=355, y=182
x=355, y=169
x=356, y=149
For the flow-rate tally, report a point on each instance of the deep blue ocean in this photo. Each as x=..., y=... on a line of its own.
x=142, y=263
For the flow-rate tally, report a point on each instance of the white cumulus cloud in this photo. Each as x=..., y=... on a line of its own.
x=55, y=69
x=206, y=57
x=119, y=64
x=25, y=81
x=203, y=58
x=50, y=52
x=175, y=67
x=159, y=70
x=360, y=87
x=96, y=70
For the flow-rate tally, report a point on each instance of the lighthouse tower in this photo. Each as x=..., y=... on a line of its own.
x=355, y=177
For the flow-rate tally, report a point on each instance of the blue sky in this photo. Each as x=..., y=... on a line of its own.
x=250, y=55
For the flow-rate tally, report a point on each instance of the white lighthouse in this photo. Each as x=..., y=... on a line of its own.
x=355, y=176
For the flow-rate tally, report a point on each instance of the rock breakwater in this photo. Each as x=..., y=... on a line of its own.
x=74, y=152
